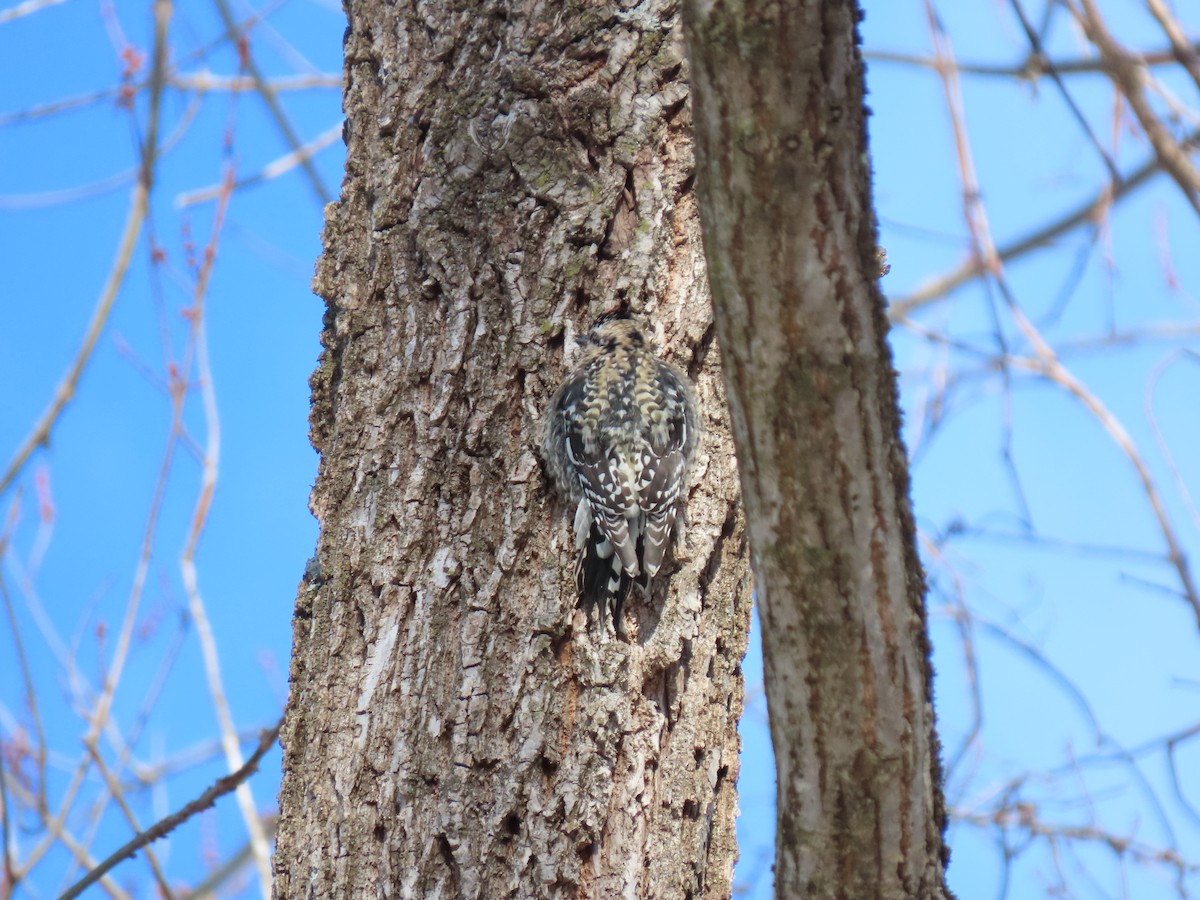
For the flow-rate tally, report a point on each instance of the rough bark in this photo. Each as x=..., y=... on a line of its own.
x=790, y=234
x=455, y=728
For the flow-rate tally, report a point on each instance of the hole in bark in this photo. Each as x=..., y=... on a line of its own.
x=380, y=832
x=585, y=141
x=558, y=646
x=512, y=823
x=700, y=351
x=691, y=809
x=722, y=774
x=586, y=851
x=446, y=853
x=699, y=754
x=549, y=766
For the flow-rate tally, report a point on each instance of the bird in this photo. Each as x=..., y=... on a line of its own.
x=619, y=440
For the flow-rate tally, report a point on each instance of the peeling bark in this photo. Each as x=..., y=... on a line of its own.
x=790, y=233
x=455, y=728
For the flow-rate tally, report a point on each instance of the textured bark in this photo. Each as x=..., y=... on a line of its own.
x=454, y=727
x=784, y=182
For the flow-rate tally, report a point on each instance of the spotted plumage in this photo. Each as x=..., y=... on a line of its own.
x=619, y=440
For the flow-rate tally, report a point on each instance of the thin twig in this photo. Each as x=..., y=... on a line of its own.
x=977, y=225
x=40, y=434
x=1083, y=214
x=964, y=622
x=1033, y=66
x=23, y=663
x=1054, y=544
x=236, y=35
x=99, y=714
x=24, y=9
x=1035, y=44
x=1163, y=446
x=207, y=82
x=196, y=82
x=114, y=788
x=1129, y=77
x=57, y=831
x=1024, y=816
x=1046, y=361
x=138, y=207
x=10, y=876
x=1055, y=371
x=207, y=889
x=59, y=197
x=273, y=169
x=163, y=827
x=1184, y=51
x=187, y=560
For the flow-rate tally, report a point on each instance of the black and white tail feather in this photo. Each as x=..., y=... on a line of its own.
x=619, y=440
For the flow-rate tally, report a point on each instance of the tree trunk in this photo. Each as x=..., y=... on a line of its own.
x=455, y=727
x=790, y=235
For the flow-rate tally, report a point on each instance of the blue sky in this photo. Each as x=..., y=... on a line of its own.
x=1101, y=615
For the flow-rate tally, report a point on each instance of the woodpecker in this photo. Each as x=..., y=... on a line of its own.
x=619, y=439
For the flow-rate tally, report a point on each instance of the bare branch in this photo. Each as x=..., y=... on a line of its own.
x=1032, y=68
x=1184, y=51
x=237, y=35
x=1084, y=214
x=114, y=788
x=138, y=207
x=1035, y=44
x=25, y=9
x=207, y=82
x=40, y=434
x=219, y=788
x=273, y=169
x=1130, y=78
x=187, y=561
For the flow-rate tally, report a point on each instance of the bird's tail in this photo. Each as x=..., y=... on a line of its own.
x=602, y=580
